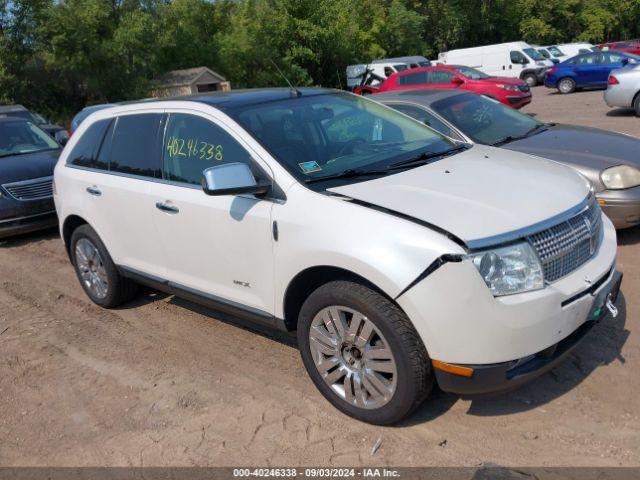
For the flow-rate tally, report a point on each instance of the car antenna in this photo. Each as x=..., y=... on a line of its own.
x=297, y=92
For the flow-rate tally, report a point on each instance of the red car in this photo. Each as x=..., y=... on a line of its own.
x=628, y=46
x=510, y=91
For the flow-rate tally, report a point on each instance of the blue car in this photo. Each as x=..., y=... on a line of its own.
x=586, y=70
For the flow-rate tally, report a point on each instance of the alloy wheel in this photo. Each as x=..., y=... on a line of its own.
x=566, y=86
x=91, y=268
x=353, y=357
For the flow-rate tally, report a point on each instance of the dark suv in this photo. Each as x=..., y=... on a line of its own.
x=58, y=132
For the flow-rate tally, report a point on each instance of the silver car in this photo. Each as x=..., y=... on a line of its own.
x=623, y=88
x=609, y=160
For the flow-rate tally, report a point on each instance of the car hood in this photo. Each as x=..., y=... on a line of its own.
x=30, y=165
x=480, y=193
x=581, y=146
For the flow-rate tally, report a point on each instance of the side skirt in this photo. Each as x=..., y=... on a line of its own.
x=237, y=310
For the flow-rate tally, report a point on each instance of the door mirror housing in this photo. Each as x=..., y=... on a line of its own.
x=232, y=179
x=457, y=81
x=625, y=61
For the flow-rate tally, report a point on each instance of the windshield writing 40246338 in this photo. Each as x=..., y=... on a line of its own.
x=195, y=148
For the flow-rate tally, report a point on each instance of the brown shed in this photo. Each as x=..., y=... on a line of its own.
x=189, y=81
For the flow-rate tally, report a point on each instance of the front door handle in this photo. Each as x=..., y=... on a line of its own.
x=165, y=207
x=94, y=191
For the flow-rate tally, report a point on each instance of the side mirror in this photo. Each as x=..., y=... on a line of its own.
x=457, y=81
x=625, y=61
x=232, y=179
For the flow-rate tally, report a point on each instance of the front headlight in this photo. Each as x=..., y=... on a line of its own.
x=513, y=88
x=620, y=177
x=511, y=269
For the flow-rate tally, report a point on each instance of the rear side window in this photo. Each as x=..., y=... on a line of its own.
x=133, y=145
x=418, y=78
x=192, y=144
x=85, y=152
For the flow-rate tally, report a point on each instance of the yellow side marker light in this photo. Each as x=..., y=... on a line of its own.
x=454, y=369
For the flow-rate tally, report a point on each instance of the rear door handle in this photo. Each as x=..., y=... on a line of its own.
x=94, y=191
x=165, y=207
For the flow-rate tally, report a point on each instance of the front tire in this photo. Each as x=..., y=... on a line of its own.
x=531, y=79
x=96, y=271
x=362, y=353
x=566, y=85
x=636, y=105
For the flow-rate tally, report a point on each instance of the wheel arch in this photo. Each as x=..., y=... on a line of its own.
x=70, y=224
x=311, y=278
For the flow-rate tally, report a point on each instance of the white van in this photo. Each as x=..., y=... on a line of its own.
x=372, y=74
x=513, y=59
x=573, y=49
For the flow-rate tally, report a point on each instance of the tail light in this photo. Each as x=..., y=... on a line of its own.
x=551, y=70
x=613, y=80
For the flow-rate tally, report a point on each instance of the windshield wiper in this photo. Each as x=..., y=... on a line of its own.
x=541, y=127
x=349, y=173
x=424, y=158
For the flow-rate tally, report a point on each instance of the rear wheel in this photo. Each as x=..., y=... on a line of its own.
x=362, y=353
x=636, y=104
x=531, y=79
x=96, y=271
x=567, y=85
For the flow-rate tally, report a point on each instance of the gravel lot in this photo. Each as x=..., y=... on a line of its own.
x=163, y=382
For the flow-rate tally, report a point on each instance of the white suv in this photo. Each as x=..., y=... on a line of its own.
x=401, y=258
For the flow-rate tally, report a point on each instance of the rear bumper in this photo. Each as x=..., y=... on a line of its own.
x=621, y=206
x=507, y=376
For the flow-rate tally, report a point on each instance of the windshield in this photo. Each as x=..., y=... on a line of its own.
x=555, y=51
x=471, y=73
x=482, y=119
x=319, y=135
x=19, y=137
x=533, y=53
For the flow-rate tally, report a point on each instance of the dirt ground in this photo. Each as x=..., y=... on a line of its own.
x=161, y=381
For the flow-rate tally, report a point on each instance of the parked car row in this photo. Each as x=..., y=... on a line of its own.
x=401, y=244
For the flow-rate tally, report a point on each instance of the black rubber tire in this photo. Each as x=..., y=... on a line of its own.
x=415, y=377
x=120, y=289
x=531, y=79
x=636, y=104
x=571, y=90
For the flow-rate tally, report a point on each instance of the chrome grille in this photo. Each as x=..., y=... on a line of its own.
x=35, y=189
x=566, y=246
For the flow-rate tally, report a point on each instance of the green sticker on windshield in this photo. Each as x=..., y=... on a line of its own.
x=310, y=167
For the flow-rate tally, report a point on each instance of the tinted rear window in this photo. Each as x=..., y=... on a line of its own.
x=134, y=145
x=413, y=79
x=84, y=152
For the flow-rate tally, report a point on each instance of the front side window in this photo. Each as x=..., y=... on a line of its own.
x=20, y=137
x=192, y=144
x=85, y=151
x=418, y=78
x=133, y=145
x=471, y=73
x=326, y=134
x=482, y=119
x=544, y=53
x=518, y=58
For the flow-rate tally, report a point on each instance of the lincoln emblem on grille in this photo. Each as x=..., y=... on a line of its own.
x=592, y=237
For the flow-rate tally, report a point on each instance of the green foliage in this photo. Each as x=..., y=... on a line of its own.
x=57, y=56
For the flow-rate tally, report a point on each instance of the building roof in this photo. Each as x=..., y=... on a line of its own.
x=189, y=76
